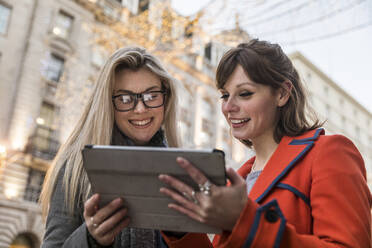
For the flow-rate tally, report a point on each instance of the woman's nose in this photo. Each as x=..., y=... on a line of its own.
x=230, y=106
x=140, y=107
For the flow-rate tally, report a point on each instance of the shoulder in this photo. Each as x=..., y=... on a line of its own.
x=338, y=153
x=335, y=139
x=336, y=144
x=325, y=153
x=321, y=140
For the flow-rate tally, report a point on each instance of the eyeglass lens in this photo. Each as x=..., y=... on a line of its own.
x=150, y=99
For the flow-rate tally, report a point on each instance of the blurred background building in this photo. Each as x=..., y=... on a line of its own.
x=50, y=56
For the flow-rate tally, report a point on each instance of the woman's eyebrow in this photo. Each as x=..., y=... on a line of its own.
x=129, y=91
x=244, y=83
x=238, y=86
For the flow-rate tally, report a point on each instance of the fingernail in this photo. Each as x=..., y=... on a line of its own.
x=118, y=201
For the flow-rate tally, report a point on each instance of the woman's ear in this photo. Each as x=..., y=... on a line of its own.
x=284, y=93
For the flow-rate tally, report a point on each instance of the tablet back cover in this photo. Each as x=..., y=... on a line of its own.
x=132, y=173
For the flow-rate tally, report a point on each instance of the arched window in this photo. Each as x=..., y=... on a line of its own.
x=185, y=114
x=207, y=123
x=25, y=240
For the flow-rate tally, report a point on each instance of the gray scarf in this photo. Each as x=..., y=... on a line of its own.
x=137, y=237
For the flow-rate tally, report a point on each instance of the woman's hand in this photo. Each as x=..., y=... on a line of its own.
x=105, y=223
x=214, y=205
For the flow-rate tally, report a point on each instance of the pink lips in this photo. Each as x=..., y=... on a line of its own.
x=238, y=123
x=141, y=123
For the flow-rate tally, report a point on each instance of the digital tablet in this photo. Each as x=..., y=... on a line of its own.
x=132, y=172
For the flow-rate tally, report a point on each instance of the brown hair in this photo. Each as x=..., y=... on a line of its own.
x=266, y=63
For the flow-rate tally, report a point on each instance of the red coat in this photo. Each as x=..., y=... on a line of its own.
x=312, y=193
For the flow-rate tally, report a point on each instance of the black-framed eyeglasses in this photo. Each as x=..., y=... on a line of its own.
x=128, y=101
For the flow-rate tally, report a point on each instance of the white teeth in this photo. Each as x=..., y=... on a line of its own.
x=141, y=123
x=239, y=121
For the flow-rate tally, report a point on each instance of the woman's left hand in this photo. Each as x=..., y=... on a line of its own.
x=218, y=206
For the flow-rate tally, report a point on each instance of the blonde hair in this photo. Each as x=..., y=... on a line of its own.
x=96, y=124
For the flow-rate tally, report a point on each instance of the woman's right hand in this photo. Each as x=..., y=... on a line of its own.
x=105, y=223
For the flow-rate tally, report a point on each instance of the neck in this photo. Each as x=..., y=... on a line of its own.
x=264, y=150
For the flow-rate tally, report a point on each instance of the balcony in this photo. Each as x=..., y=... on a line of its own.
x=106, y=11
x=43, y=144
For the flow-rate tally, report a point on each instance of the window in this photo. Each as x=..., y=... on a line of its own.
x=325, y=90
x=108, y=10
x=43, y=143
x=44, y=132
x=207, y=124
x=328, y=111
x=166, y=26
x=357, y=132
x=341, y=102
x=54, y=68
x=98, y=56
x=185, y=114
x=208, y=51
x=46, y=115
x=226, y=142
x=63, y=25
x=4, y=18
x=343, y=124
x=34, y=184
x=189, y=29
x=310, y=99
x=143, y=5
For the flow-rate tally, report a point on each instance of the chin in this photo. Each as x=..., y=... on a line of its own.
x=241, y=136
x=142, y=140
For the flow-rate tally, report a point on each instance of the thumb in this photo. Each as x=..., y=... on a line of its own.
x=91, y=205
x=234, y=177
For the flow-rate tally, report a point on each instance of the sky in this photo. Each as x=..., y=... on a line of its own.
x=344, y=56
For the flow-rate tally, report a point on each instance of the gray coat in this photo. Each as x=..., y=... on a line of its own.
x=64, y=230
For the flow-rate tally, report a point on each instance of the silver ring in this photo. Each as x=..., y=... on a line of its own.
x=187, y=196
x=93, y=224
x=192, y=197
x=205, y=188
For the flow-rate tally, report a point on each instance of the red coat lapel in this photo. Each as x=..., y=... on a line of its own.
x=289, y=151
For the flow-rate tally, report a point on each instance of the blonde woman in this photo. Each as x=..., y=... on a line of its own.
x=133, y=103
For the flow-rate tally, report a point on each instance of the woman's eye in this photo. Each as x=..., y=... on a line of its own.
x=246, y=94
x=224, y=96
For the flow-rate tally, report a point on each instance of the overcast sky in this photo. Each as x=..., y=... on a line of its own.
x=345, y=58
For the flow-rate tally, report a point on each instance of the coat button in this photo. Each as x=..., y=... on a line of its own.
x=271, y=215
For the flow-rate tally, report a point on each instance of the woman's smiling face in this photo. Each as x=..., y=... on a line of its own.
x=250, y=108
x=141, y=123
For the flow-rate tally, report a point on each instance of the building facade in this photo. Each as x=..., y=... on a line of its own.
x=48, y=67
x=341, y=112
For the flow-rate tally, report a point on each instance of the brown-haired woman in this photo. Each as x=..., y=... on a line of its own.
x=302, y=189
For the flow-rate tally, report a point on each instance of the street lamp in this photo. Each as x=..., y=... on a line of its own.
x=2, y=149
x=2, y=154
x=9, y=189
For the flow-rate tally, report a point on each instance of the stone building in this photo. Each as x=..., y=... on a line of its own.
x=342, y=113
x=48, y=66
